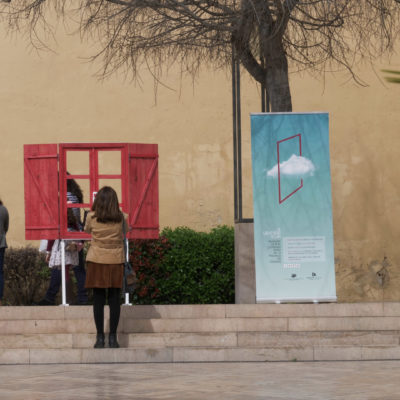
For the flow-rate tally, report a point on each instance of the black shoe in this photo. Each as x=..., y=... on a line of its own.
x=112, y=341
x=99, y=341
x=45, y=302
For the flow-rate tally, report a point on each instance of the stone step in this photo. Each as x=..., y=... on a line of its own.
x=261, y=339
x=207, y=339
x=271, y=324
x=86, y=340
x=327, y=338
x=196, y=333
x=190, y=325
x=31, y=326
x=210, y=311
x=190, y=354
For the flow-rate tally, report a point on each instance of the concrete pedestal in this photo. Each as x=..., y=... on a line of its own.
x=245, y=283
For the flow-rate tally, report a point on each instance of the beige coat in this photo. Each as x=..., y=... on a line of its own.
x=107, y=245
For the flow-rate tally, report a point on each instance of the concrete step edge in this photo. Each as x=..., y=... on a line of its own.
x=183, y=354
x=205, y=339
x=386, y=309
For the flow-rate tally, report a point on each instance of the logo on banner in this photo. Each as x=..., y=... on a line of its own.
x=314, y=277
x=294, y=277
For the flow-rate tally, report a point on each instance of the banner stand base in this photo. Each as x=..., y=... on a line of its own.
x=299, y=300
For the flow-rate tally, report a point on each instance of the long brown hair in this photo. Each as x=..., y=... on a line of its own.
x=74, y=189
x=106, y=206
x=1, y=203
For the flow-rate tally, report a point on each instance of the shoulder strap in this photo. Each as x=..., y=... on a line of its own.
x=126, y=248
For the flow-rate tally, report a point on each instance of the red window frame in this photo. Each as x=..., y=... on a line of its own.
x=46, y=186
x=94, y=176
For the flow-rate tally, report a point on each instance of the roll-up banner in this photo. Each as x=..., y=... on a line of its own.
x=293, y=232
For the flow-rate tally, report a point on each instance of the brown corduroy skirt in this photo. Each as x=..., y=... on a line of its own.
x=104, y=275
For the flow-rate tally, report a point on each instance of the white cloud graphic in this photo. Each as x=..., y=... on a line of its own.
x=295, y=166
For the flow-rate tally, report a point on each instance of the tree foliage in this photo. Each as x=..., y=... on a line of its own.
x=266, y=35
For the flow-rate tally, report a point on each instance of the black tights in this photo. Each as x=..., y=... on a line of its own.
x=99, y=300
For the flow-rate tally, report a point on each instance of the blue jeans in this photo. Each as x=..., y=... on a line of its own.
x=54, y=286
x=80, y=276
x=2, y=251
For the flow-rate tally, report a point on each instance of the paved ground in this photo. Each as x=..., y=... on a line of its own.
x=364, y=380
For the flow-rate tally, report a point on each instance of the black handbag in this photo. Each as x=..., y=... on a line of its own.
x=130, y=278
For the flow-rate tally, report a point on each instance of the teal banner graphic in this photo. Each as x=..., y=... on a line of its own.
x=293, y=232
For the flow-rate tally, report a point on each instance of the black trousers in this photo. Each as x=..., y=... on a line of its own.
x=2, y=251
x=99, y=301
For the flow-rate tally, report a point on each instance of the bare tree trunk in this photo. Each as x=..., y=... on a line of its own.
x=277, y=77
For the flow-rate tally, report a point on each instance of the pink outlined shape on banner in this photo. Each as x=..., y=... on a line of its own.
x=279, y=169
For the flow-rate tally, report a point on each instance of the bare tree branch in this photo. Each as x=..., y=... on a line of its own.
x=267, y=35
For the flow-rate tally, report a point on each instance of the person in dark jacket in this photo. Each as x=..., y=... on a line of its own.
x=4, y=222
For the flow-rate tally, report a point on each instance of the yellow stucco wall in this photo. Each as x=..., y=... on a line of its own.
x=54, y=97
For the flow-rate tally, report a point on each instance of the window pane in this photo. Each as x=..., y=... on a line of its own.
x=77, y=162
x=114, y=183
x=79, y=189
x=110, y=162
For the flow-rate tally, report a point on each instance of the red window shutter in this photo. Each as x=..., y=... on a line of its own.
x=143, y=191
x=41, y=191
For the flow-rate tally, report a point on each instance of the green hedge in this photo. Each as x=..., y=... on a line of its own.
x=181, y=267
x=26, y=276
x=185, y=267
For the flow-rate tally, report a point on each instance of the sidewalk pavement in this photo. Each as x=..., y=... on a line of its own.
x=360, y=380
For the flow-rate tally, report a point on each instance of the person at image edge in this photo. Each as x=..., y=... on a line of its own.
x=4, y=221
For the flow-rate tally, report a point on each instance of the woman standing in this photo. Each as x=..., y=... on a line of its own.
x=105, y=258
x=3, y=244
x=53, y=258
x=74, y=223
